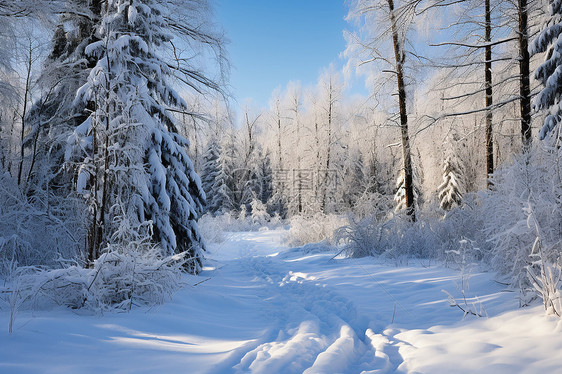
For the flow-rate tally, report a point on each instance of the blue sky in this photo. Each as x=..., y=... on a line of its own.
x=273, y=42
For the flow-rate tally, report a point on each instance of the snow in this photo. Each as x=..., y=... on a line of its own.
x=262, y=307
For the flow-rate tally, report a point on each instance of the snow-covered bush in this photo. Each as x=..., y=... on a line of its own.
x=495, y=224
x=42, y=230
x=317, y=228
x=363, y=238
x=462, y=259
x=212, y=228
x=130, y=271
x=462, y=223
x=544, y=269
x=259, y=215
x=396, y=238
x=373, y=203
x=546, y=279
x=133, y=275
x=432, y=236
x=532, y=180
x=120, y=278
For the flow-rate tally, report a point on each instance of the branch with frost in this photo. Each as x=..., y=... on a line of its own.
x=476, y=46
x=433, y=120
x=466, y=308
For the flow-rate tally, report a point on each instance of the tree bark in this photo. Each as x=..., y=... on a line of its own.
x=24, y=111
x=524, y=85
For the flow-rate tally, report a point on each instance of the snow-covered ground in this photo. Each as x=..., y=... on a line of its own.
x=264, y=308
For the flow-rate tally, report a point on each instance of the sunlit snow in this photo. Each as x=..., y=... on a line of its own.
x=262, y=307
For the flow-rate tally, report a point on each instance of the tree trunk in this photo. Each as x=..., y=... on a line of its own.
x=406, y=151
x=328, y=147
x=196, y=145
x=489, y=101
x=524, y=85
x=24, y=111
x=318, y=164
x=297, y=174
x=93, y=234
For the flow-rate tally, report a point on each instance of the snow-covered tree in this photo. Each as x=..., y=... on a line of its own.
x=225, y=184
x=400, y=194
x=214, y=180
x=129, y=148
x=355, y=182
x=52, y=117
x=367, y=45
x=450, y=189
x=209, y=173
x=549, y=73
x=261, y=178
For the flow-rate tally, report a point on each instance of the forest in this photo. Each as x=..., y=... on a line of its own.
x=126, y=164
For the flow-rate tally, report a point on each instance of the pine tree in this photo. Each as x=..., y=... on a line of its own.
x=128, y=150
x=214, y=180
x=260, y=178
x=223, y=185
x=209, y=172
x=450, y=190
x=264, y=177
x=229, y=173
x=549, y=73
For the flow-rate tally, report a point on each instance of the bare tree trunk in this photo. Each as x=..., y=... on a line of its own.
x=524, y=85
x=373, y=182
x=279, y=148
x=96, y=235
x=317, y=165
x=196, y=145
x=489, y=100
x=297, y=174
x=328, y=146
x=105, y=185
x=24, y=111
x=93, y=238
x=406, y=151
x=12, y=145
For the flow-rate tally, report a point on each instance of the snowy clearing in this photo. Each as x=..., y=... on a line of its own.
x=262, y=307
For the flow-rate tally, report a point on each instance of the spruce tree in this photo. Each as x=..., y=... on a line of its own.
x=214, y=180
x=450, y=189
x=260, y=178
x=209, y=172
x=549, y=73
x=264, y=177
x=128, y=150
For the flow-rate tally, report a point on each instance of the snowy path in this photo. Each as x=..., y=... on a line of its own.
x=313, y=329
x=265, y=308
